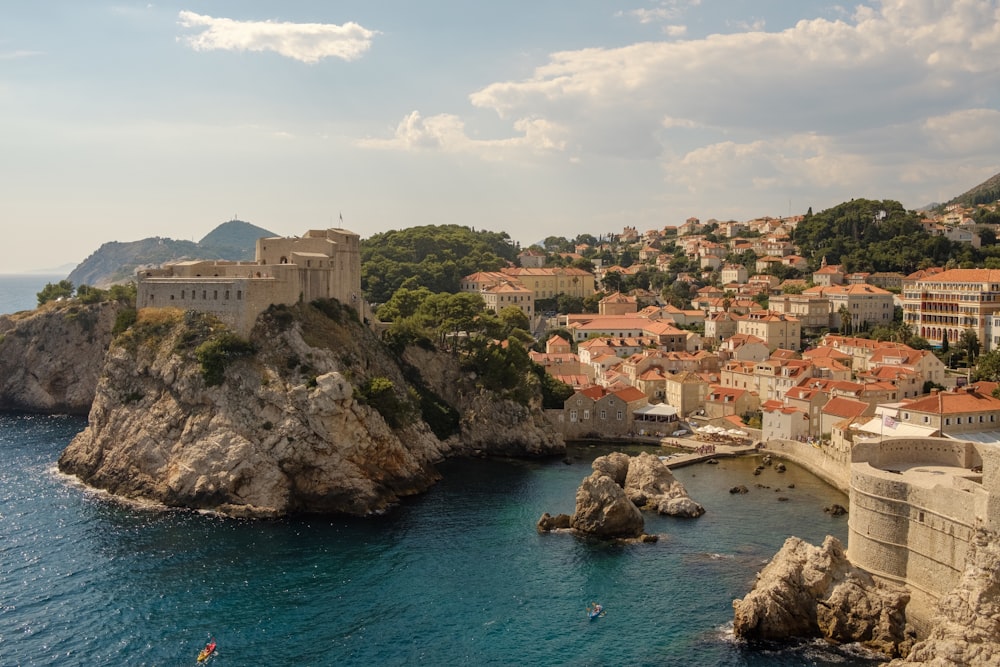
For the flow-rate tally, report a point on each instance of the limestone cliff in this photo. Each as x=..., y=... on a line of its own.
x=966, y=629
x=808, y=591
x=51, y=357
x=312, y=414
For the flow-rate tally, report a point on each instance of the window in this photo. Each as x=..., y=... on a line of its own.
x=620, y=415
x=586, y=415
x=604, y=414
x=572, y=415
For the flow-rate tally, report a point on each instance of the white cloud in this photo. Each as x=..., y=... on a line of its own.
x=675, y=30
x=968, y=131
x=446, y=133
x=665, y=10
x=306, y=42
x=799, y=162
x=884, y=66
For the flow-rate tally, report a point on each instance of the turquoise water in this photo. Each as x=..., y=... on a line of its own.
x=458, y=576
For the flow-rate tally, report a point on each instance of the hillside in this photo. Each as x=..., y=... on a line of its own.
x=985, y=193
x=116, y=261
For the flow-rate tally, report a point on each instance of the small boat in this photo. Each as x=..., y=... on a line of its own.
x=207, y=651
x=595, y=611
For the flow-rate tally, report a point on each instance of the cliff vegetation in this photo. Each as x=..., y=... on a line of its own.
x=311, y=413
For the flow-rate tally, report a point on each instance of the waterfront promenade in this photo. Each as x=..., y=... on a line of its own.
x=697, y=451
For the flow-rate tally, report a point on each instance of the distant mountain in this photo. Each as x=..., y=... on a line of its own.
x=116, y=261
x=986, y=192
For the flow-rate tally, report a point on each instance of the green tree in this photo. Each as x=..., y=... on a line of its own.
x=988, y=367
x=514, y=318
x=434, y=256
x=845, y=320
x=405, y=302
x=52, y=291
x=968, y=343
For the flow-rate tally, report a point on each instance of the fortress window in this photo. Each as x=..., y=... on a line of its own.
x=171, y=297
x=183, y=294
x=239, y=295
x=920, y=517
x=215, y=294
x=227, y=295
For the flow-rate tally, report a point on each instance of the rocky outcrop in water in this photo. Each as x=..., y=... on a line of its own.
x=604, y=511
x=312, y=414
x=650, y=485
x=808, y=591
x=51, y=358
x=966, y=628
x=608, y=502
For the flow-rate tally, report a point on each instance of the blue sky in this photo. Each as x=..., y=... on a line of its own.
x=124, y=120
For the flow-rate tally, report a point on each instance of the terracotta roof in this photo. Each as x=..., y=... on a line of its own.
x=965, y=276
x=845, y=407
x=954, y=402
x=630, y=394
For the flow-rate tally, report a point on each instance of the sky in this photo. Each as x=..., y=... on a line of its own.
x=125, y=120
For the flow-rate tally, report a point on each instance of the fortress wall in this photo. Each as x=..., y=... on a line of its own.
x=878, y=524
x=829, y=464
x=916, y=535
x=229, y=299
x=927, y=451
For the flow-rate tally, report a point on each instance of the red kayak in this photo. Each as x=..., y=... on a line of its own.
x=207, y=651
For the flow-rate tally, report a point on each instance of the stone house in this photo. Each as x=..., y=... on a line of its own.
x=618, y=304
x=775, y=329
x=960, y=413
x=727, y=401
x=596, y=412
x=686, y=391
x=783, y=422
x=842, y=408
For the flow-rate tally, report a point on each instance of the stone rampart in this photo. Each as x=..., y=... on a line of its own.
x=827, y=463
x=319, y=265
x=914, y=505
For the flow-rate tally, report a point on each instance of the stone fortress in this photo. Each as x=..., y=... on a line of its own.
x=320, y=264
x=915, y=506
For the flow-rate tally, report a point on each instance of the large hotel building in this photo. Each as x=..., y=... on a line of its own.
x=952, y=301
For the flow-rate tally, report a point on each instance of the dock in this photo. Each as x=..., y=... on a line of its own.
x=693, y=455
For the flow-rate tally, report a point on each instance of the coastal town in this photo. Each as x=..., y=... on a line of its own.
x=702, y=341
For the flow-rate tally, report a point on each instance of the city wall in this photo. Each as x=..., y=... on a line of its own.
x=829, y=464
x=911, y=531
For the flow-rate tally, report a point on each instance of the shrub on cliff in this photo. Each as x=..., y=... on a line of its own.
x=217, y=352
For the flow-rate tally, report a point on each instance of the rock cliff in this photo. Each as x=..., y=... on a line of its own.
x=312, y=414
x=966, y=628
x=51, y=357
x=809, y=591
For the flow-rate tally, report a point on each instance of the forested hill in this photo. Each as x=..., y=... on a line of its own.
x=868, y=235
x=116, y=261
x=433, y=256
x=986, y=192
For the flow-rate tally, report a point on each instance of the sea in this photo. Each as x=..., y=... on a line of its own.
x=455, y=576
